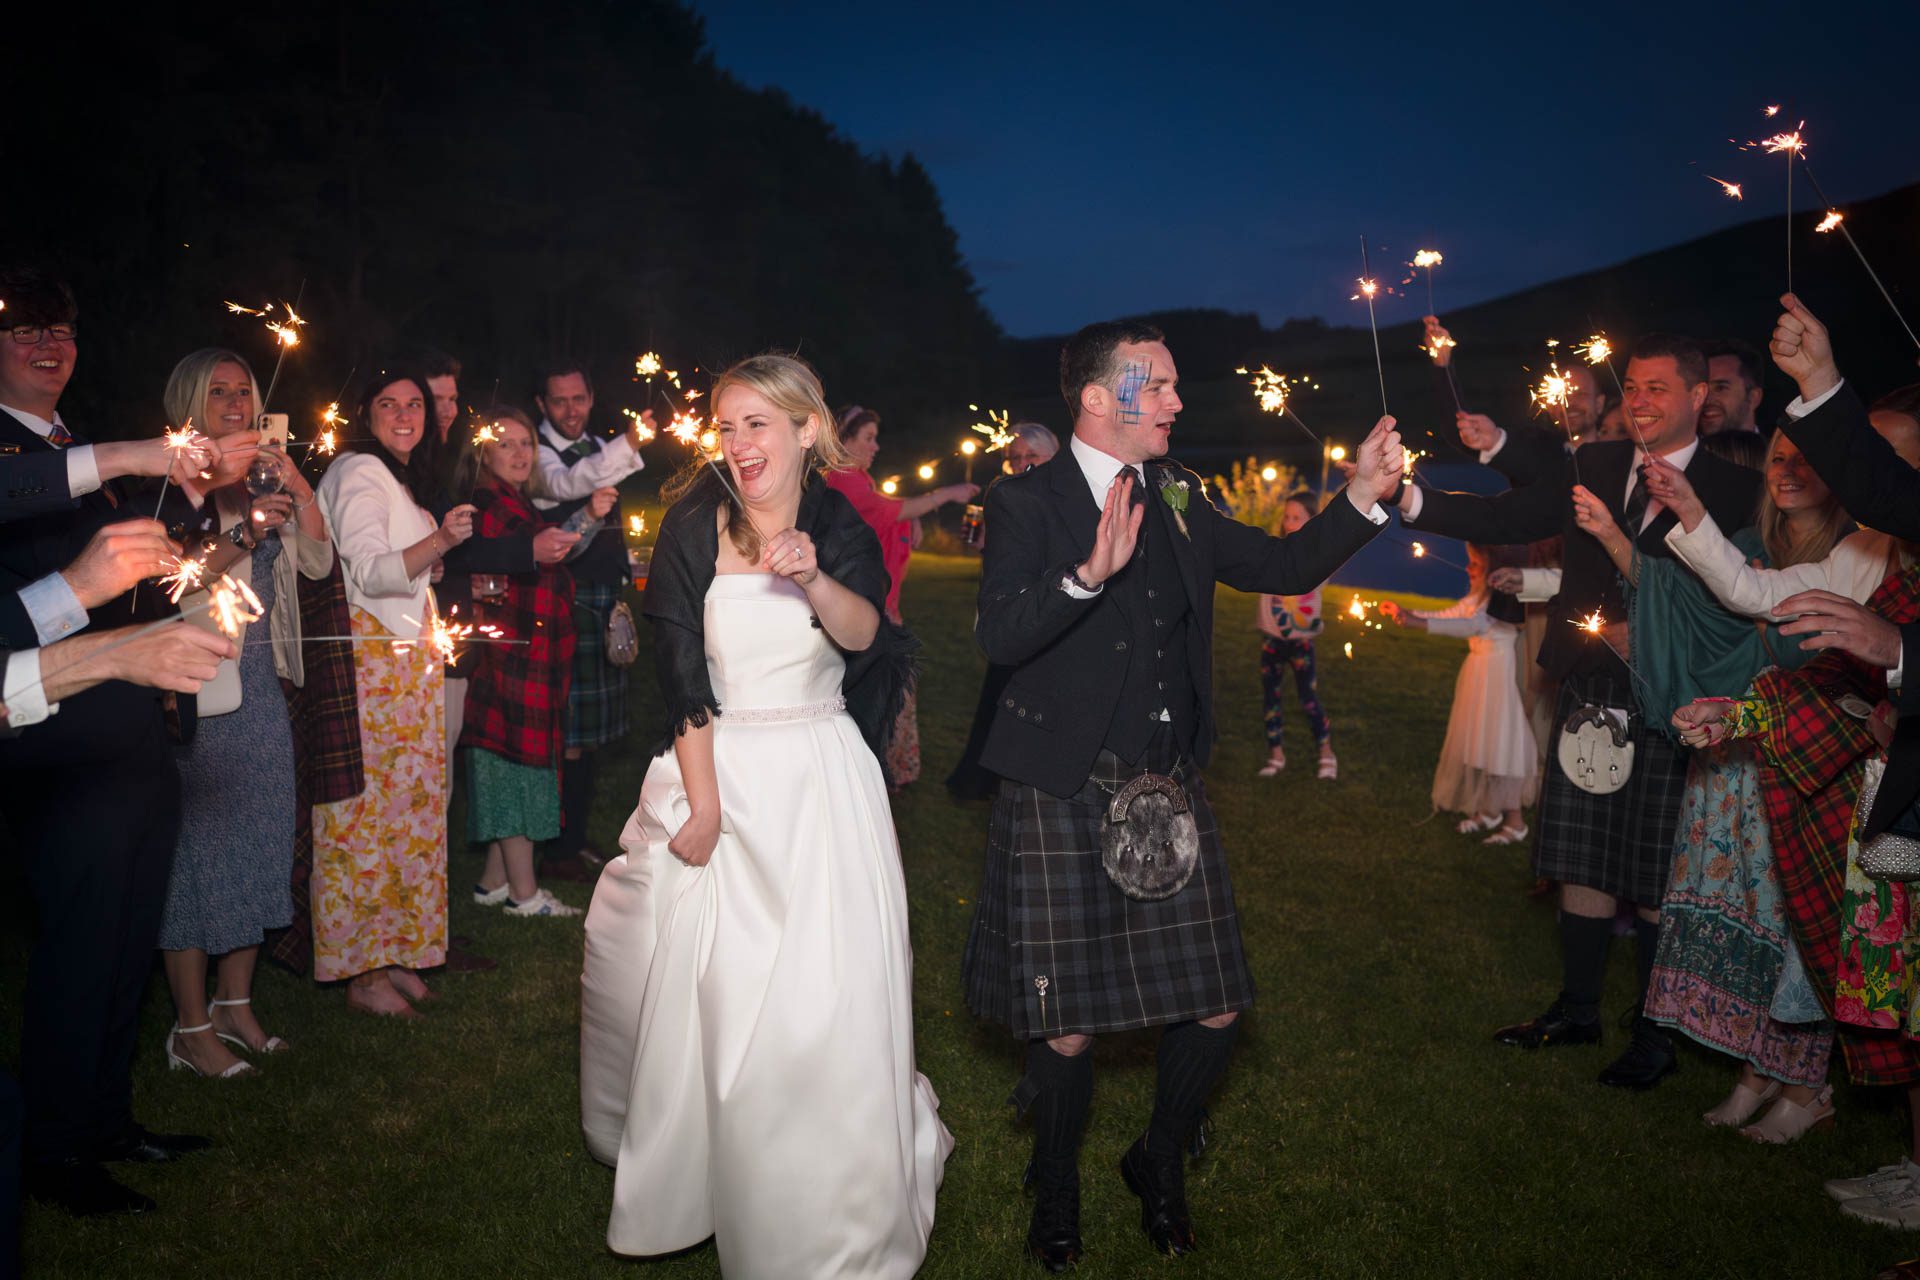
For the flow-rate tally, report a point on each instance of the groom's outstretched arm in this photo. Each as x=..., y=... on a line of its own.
x=1248, y=559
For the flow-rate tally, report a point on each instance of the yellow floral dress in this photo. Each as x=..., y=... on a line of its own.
x=380, y=858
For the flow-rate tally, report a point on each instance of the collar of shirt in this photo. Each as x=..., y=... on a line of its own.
x=1681, y=458
x=35, y=423
x=1100, y=469
x=559, y=443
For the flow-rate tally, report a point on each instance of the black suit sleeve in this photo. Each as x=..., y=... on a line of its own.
x=1248, y=559
x=512, y=553
x=1022, y=608
x=1873, y=483
x=33, y=484
x=1531, y=456
x=1518, y=515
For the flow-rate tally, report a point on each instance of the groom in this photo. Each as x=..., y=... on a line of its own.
x=1097, y=591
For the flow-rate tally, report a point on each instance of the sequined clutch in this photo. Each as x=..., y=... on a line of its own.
x=1891, y=855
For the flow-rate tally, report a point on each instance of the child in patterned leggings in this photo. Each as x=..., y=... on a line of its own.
x=1290, y=624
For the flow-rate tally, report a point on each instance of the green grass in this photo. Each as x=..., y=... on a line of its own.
x=1369, y=1127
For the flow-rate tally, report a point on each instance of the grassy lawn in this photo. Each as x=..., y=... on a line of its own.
x=1369, y=1126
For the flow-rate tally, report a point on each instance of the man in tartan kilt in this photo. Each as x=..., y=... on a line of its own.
x=573, y=462
x=1097, y=592
x=1605, y=849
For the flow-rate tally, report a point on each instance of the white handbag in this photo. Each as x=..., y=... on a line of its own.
x=220, y=695
x=1595, y=752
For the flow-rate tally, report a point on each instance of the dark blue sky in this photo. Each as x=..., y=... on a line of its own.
x=1098, y=159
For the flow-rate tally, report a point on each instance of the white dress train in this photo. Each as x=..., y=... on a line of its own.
x=746, y=1042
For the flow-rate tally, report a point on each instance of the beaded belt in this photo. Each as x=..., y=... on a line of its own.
x=776, y=715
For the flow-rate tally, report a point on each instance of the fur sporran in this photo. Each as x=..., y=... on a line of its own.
x=1595, y=752
x=1149, y=843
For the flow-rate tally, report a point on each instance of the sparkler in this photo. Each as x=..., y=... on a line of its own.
x=232, y=605
x=186, y=576
x=1791, y=144
x=1554, y=389
x=1835, y=220
x=1428, y=259
x=996, y=428
x=1595, y=625
x=636, y=526
x=1597, y=350
x=285, y=331
x=1368, y=288
x=183, y=441
x=1731, y=188
x=1273, y=392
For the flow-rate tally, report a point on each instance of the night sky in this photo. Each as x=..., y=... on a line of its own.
x=1099, y=159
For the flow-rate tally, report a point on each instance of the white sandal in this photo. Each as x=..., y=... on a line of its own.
x=1329, y=769
x=175, y=1062
x=1509, y=835
x=1787, y=1121
x=1474, y=824
x=1272, y=767
x=1742, y=1105
x=274, y=1044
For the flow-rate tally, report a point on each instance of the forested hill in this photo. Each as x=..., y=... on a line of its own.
x=1724, y=284
x=503, y=182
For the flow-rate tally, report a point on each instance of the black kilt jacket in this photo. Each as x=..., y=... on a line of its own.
x=1071, y=658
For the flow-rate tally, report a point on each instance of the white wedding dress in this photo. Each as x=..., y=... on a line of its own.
x=746, y=1039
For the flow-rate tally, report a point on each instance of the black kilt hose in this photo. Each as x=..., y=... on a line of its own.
x=1622, y=843
x=1056, y=950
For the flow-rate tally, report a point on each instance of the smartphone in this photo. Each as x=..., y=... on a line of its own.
x=273, y=431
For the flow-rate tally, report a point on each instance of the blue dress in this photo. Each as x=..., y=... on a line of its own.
x=232, y=865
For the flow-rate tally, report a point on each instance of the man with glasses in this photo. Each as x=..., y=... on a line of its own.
x=90, y=797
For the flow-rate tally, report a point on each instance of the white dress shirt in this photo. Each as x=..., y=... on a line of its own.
x=25, y=699
x=613, y=461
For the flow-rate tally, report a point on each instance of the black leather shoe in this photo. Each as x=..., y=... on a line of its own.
x=84, y=1189
x=1649, y=1059
x=1549, y=1031
x=1053, y=1234
x=138, y=1146
x=1161, y=1186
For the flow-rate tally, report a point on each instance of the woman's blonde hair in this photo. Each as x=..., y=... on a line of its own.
x=791, y=386
x=1776, y=533
x=186, y=394
x=470, y=454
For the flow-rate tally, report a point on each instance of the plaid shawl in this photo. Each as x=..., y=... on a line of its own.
x=519, y=691
x=1815, y=756
x=326, y=742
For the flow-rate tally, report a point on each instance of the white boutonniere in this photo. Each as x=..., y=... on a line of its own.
x=1174, y=493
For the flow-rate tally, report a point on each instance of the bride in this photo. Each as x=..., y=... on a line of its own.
x=746, y=1043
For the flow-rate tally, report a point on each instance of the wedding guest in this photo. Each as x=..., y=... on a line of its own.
x=573, y=462
x=443, y=383
x=1489, y=769
x=891, y=520
x=513, y=738
x=380, y=858
x=1733, y=388
x=230, y=881
x=1289, y=625
x=90, y=797
x=1750, y=998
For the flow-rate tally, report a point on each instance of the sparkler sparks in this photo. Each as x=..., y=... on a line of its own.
x=685, y=428
x=1427, y=258
x=1833, y=219
x=1368, y=287
x=1596, y=350
x=996, y=428
x=186, y=576
x=1593, y=624
x=1419, y=550
x=232, y=605
x=636, y=526
x=648, y=365
x=643, y=429
x=1273, y=392
x=1731, y=188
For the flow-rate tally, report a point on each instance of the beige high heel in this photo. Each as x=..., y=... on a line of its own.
x=175, y=1062
x=274, y=1044
x=1788, y=1121
x=1741, y=1105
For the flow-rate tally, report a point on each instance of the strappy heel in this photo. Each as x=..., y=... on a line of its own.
x=274, y=1044
x=175, y=1062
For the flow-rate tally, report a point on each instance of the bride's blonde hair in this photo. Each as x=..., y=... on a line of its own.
x=790, y=385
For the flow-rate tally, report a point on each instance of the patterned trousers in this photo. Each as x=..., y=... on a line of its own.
x=1276, y=656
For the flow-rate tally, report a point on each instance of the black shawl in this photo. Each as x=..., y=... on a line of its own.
x=878, y=678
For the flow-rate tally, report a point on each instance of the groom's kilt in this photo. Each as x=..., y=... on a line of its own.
x=1056, y=950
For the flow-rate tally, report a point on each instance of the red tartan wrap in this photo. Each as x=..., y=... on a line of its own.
x=518, y=692
x=1814, y=759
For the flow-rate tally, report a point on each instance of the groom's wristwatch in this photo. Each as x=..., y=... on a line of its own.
x=1072, y=579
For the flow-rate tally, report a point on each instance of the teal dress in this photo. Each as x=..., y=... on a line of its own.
x=1726, y=973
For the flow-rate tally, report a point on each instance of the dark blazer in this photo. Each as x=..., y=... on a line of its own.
x=1070, y=656
x=100, y=722
x=1589, y=581
x=32, y=484
x=1880, y=491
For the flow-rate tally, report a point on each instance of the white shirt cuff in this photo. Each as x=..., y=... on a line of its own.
x=1414, y=500
x=55, y=610
x=26, y=700
x=1899, y=667
x=83, y=472
x=1376, y=513
x=1074, y=591
x=1798, y=408
x=1499, y=443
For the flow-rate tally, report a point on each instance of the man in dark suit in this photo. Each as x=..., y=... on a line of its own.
x=47, y=481
x=1097, y=590
x=90, y=798
x=1831, y=426
x=1606, y=848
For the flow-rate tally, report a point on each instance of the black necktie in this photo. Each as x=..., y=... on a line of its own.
x=1636, y=503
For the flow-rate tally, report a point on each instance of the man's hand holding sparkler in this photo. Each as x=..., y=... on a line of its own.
x=641, y=429
x=1380, y=464
x=232, y=455
x=1477, y=431
x=601, y=502
x=1668, y=485
x=1439, y=342
x=117, y=557
x=1802, y=349
x=153, y=457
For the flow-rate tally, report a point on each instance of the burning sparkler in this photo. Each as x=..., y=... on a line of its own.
x=1273, y=392
x=188, y=572
x=285, y=331
x=179, y=443
x=1833, y=219
x=1731, y=188
x=1598, y=350
x=232, y=605
x=1368, y=288
x=1427, y=260
x=996, y=428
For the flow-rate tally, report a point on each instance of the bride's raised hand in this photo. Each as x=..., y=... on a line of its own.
x=790, y=554
x=693, y=843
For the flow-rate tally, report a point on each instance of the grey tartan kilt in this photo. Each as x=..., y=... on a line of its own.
x=1056, y=950
x=1622, y=843
x=597, y=697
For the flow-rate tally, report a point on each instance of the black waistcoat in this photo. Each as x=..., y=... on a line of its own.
x=604, y=563
x=1158, y=672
